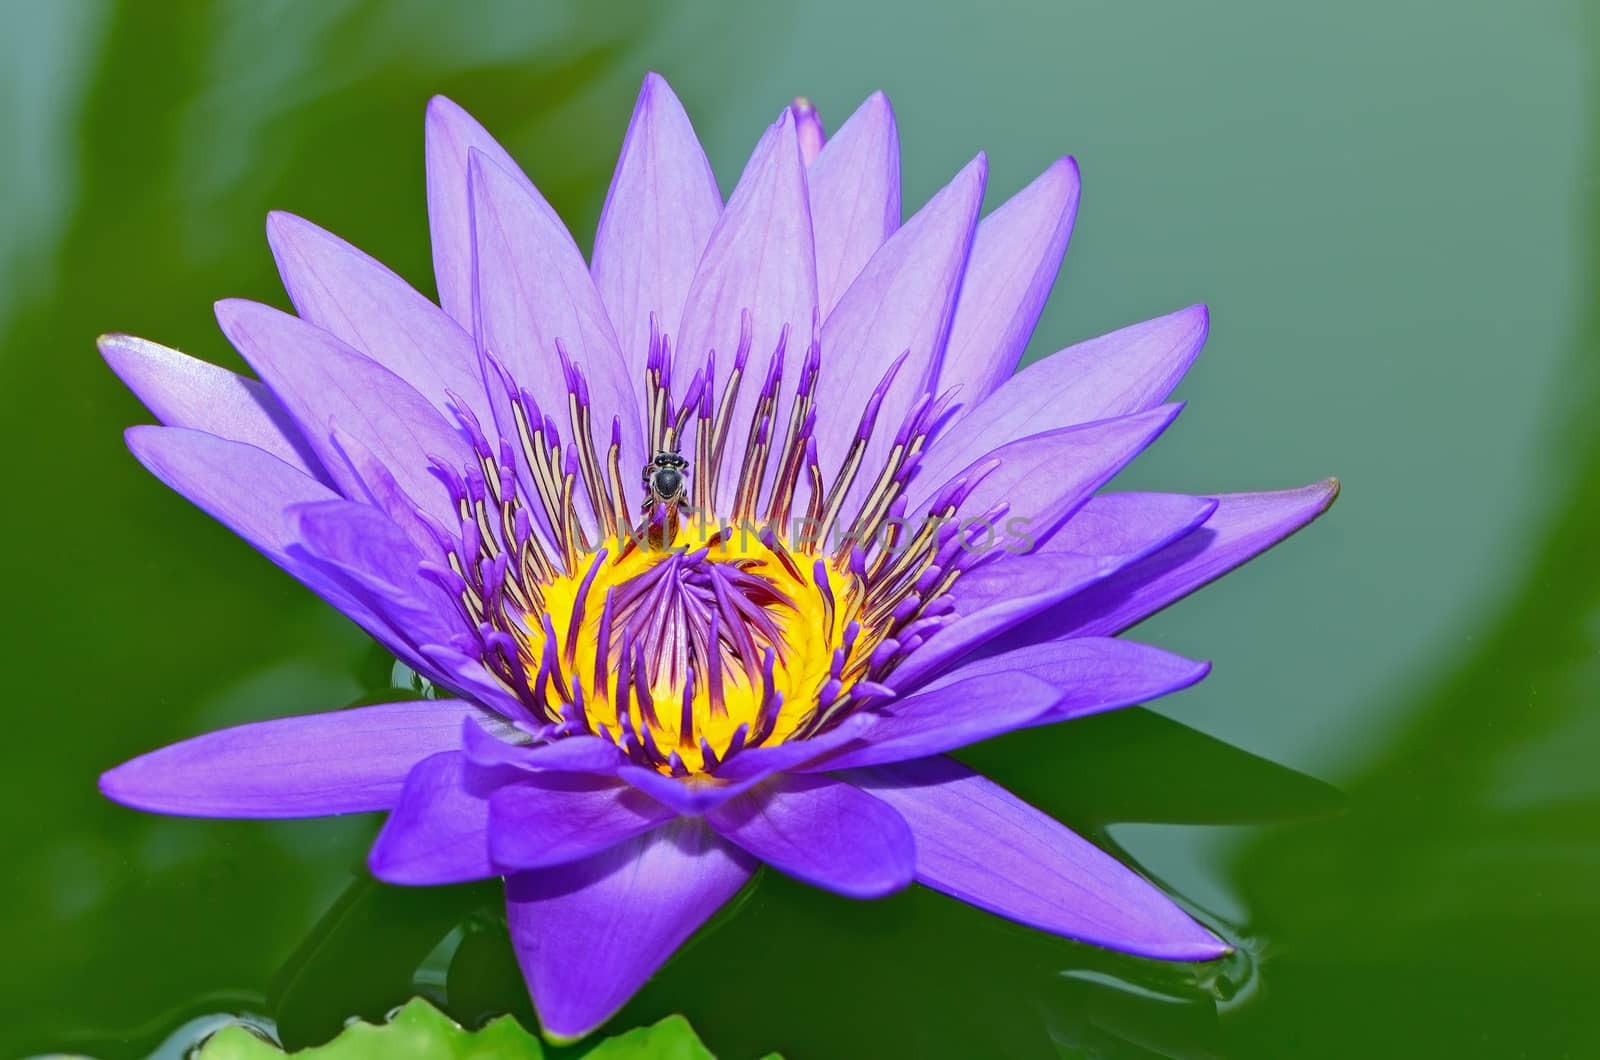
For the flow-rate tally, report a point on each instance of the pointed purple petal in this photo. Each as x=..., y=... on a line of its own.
x=756, y=763
x=981, y=844
x=902, y=301
x=1090, y=674
x=957, y=710
x=657, y=220
x=1126, y=372
x=1108, y=533
x=359, y=548
x=326, y=384
x=590, y=933
x=345, y=761
x=533, y=290
x=822, y=831
x=552, y=818
x=1243, y=526
x=1043, y=479
x=573, y=754
x=451, y=134
x=855, y=196
x=257, y=496
x=183, y=391
x=760, y=258
x=363, y=304
x=1016, y=254
x=438, y=831
x=689, y=798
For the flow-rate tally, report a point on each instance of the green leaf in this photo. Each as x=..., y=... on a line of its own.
x=420, y=1031
x=671, y=1039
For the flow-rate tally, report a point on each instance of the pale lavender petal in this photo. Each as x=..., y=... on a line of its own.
x=451, y=135
x=657, y=220
x=383, y=491
x=1090, y=674
x=808, y=129
x=822, y=831
x=363, y=551
x=1108, y=533
x=760, y=258
x=900, y=304
x=1128, y=371
x=247, y=490
x=981, y=844
x=534, y=291
x=346, y=761
x=1039, y=481
x=438, y=831
x=1243, y=526
x=326, y=384
x=855, y=197
x=184, y=391
x=590, y=933
x=552, y=818
x=955, y=711
x=1016, y=254
x=363, y=304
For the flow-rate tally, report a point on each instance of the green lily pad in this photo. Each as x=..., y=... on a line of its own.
x=420, y=1031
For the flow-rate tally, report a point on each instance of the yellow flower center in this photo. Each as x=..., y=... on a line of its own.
x=692, y=651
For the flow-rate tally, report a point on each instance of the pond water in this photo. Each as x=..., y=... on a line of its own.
x=1385, y=793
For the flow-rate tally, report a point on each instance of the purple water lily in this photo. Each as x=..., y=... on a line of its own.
x=717, y=544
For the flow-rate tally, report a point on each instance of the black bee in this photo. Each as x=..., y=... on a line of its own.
x=666, y=479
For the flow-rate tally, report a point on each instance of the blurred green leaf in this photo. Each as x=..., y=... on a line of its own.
x=671, y=1039
x=422, y=1031
x=417, y=1030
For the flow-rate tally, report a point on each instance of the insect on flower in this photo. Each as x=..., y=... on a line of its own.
x=629, y=731
x=665, y=478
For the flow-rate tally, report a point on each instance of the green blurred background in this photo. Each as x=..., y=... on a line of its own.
x=1390, y=206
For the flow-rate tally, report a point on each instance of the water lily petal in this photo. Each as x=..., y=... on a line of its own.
x=451, y=136
x=901, y=303
x=1107, y=534
x=552, y=818
x=1035, y=685
x=344, y=761
x=246, y=489
x=657, y=219
x=363, y=304
x=760, y=258
x=981, y=844
x=1126, y=372
x=1243, y=526
x=822, y=831
x=1090, y=674
x=855, y=196
x=534, y=291
x=955, y=711
x=184, y=391
x=326, y=384
x=1016, y=254
x=362, y=550
x=438, y=831
x=1039, y=481
x=571, y=754
x=588, y=934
